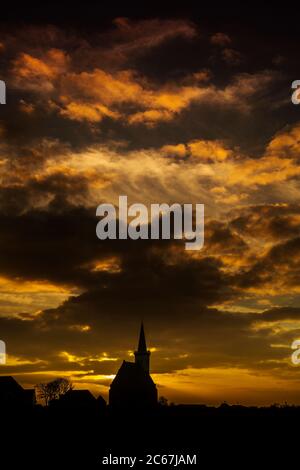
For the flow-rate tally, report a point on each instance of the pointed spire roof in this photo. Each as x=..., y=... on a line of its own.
x=142, y=340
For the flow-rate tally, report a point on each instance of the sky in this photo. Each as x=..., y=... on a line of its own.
x=164, y=105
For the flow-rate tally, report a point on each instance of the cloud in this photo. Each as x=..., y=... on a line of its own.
x=209, y=150
x=135, y=38
x=88, y=112
x=179, y=150
x=38, y=74
x=269, y=221
x=65, y=82
x=209, y=171
x=286, y=144
x=220, y=39
x=232, y=57
x=30, y=297
x=106, y=93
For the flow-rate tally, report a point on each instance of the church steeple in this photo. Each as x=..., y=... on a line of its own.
x=142, y=356
x=142, y=340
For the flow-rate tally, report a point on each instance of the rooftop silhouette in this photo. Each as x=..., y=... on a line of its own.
x=13, y=395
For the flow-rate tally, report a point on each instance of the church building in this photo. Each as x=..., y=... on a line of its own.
x=133, y=386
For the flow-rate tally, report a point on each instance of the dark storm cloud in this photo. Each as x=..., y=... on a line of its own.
x=279, y=265
x=32, y=244
x=274, y=221
x=221, y=237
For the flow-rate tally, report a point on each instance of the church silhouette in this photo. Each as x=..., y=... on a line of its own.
x=133, y=386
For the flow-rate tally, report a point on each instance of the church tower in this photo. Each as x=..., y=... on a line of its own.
x=142, y=356
x=133, y=387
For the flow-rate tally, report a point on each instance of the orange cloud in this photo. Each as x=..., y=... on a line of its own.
x=286, y=144
x=90, y=95
x=209, y=150
x=178, y=150
x=88, y=112
x=38, y=74
x=123, y=94
x=21, y=295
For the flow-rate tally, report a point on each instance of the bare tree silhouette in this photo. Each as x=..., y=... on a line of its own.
x=53, y=390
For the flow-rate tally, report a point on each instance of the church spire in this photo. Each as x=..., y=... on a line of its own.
x=142, y=356
x=142, y=340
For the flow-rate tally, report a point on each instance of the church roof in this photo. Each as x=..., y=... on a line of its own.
x=132, y=375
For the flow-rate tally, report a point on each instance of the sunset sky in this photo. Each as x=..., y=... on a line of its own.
x=187, y=106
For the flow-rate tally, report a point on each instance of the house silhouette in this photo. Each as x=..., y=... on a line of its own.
x=13, y=395
x=133, y=386
x=80, y=400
